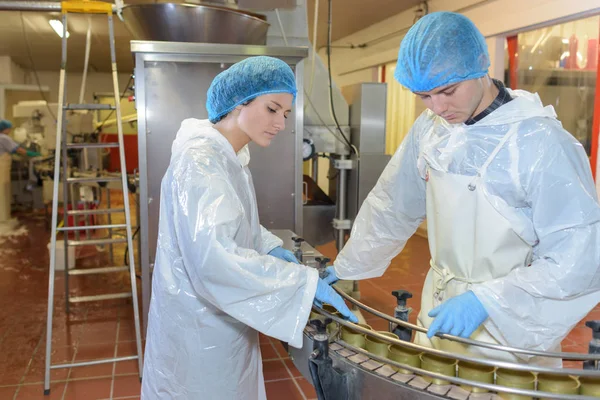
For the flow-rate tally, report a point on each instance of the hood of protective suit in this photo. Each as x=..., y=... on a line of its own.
x=524, y=105
x=461, y=148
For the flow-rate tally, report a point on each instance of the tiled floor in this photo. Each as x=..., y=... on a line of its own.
x=93, y=332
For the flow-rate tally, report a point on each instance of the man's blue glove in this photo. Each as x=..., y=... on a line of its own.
x=330, y=276
x=284, y=255
x=32, y=153
x=326, y=294
x=458, y=316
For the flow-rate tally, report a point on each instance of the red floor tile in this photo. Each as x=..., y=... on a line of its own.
x=36, y=392
x=37, y=371
x=293, y=370
x=126, y=331
x=95, y=351
x=12, y=376
x=92, y=389
x=126, y=367
x=268, y=352
x=283, y=390
x=7, y=392
x=105, y=332
x=129, y=385
x=279, y=348
x=275, y=369
x=307, y=388
x=127, y=349
x=263, y=338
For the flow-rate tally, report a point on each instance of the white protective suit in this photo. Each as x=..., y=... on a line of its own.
x=534, y=266
x=214, y=287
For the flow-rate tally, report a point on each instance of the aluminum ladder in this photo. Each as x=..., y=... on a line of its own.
x=60, y=159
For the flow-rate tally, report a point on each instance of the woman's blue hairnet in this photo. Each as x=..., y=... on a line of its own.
x=4, y=124
x=246, y=80
x=440, y=49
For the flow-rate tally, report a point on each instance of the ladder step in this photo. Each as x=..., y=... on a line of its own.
x=103, y=270
x=92, y=106
x=92, y=145
x=96, y=211
x=100, y=297
x=85, y=228
x=94, y=179
x=93, y=362
x=95, y=242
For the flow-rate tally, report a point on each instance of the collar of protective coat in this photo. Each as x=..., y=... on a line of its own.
x=192, y=128
x=243, y=155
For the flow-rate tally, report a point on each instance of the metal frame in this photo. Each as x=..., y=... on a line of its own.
x=151, y=51
x=61, y=151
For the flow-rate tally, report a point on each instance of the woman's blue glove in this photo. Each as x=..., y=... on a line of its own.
x=326, y=294
x=458, y=316
x=284, y=255
x=330, y=276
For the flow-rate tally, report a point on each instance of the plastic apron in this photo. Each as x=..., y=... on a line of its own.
x=470, y=242
x=5, y=192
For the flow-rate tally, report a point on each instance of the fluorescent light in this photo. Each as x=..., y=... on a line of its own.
x=58, y=27
x=565, y=41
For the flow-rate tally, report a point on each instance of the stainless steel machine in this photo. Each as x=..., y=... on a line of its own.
x=171, y=81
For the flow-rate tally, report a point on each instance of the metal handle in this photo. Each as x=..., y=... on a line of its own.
x=305, y=193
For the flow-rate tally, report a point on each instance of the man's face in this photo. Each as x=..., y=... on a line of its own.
x=456, y=102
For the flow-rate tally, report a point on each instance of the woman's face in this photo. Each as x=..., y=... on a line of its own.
x=265, y=116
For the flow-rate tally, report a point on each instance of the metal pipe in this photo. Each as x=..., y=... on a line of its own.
x=460, y=357
x=32, y=6
x=315, y=168
x=341, y=204
x=470, y=342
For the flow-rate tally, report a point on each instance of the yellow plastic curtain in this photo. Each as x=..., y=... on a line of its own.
x=400, y=111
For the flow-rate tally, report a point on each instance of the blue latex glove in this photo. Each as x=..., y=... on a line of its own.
x=284, y=255
x=330, y=276
x=458, y=316
x=326, y=294
x=32, y=153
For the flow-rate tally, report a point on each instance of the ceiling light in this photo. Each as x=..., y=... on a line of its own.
x=58, y=27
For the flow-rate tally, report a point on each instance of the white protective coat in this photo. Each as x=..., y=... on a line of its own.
x=540, y=182
x=214, y=287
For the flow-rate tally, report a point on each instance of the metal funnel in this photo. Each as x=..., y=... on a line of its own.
x=174, y=22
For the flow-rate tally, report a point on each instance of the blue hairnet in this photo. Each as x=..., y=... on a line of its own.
x=4, y=124
x=246, y=80
x=440, y=49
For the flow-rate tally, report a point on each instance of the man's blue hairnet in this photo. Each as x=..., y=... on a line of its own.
x=246, y=80
x=4, y=124
x=440, y=49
